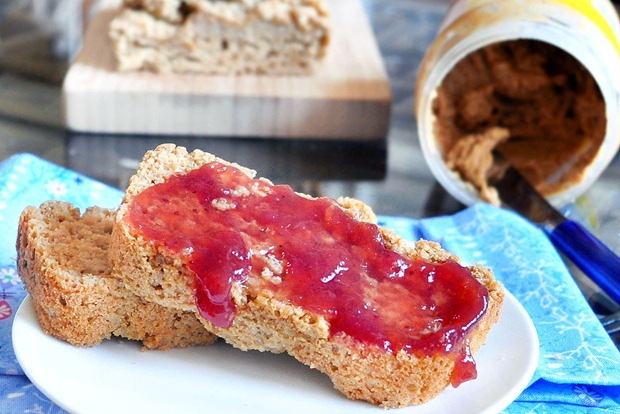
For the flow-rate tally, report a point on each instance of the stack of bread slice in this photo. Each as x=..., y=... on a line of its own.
x=132, y=276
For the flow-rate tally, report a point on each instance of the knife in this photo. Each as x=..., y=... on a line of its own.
x=593, y=257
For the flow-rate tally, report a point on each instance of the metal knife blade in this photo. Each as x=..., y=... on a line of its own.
x=516, y=192
x=593, y=257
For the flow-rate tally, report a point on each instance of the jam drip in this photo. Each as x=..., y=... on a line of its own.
x=309, y=252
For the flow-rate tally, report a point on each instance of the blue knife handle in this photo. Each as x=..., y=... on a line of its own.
x=594, y=258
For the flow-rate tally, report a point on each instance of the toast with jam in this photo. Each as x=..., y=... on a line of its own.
x=265, y=268
x=63, y=263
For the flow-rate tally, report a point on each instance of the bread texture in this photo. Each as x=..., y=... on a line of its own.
x=63, y=263
x=271, y=37
x=265, y=322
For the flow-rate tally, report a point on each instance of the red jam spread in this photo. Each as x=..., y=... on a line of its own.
x=309, y=252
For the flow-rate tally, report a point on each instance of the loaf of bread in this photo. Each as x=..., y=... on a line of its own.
x=63, y=263
x=272, y=37
x=264, y=316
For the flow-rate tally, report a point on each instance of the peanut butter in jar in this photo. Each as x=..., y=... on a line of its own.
x=538, y=81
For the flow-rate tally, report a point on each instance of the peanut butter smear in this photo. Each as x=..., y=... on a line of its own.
x=472, y=158
x=531, y=101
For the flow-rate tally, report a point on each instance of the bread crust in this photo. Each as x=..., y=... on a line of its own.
x=63, y=263
x=359, y=371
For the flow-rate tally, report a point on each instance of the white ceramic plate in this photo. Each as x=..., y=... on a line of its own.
x=118, y=377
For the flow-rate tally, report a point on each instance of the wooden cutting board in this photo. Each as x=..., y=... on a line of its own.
x=348, y=98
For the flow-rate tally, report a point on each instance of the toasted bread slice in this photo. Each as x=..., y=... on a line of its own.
x=63, y=262
x=265, y=316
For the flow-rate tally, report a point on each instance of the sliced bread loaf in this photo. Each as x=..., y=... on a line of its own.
x=274, y=37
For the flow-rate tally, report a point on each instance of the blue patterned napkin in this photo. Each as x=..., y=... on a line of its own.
x=579, y=367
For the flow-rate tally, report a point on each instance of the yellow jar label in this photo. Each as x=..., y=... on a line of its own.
x=586, y=8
